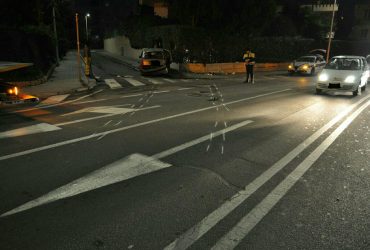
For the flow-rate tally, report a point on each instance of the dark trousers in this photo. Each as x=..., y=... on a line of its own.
x=249, y=69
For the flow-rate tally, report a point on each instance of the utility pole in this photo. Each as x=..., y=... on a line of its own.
x=78, y=49
x=87, y=29
x=331, y=32
x=55, y=36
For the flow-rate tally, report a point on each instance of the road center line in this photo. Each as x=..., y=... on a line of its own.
x=207, y=223
x=63, y=143
x=247, y=223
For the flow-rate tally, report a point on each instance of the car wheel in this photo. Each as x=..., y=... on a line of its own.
x=318, y=91
x=357, y=91
x=313, y=71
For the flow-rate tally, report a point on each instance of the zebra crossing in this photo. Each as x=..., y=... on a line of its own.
x=117, y=83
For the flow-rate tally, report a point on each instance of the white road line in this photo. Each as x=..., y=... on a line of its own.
x=127, y=168
x=200, y=140
x=34, y=129
x=53, y=100
x=113, y=84
x=247, y=223
x=168, y=80
x=206, y=224
x=59, y=144
x=127, y=96
x=154, y=81
x=134, y=82
x=55, y=105
x=123, y=111
x=92, y=101
x=184, y=89
x=159, y=92
x=185, y=80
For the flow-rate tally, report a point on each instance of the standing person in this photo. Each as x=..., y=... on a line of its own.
x=250, y=61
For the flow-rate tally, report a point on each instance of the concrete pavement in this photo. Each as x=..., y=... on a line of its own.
x=63, y=80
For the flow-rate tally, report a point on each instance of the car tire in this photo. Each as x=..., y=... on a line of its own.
x=318, y=91
x=355, y=93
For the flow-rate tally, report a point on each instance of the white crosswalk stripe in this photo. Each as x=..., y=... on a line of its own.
x=53, y=100
x=168, y=80
x=154, y=81
x=113, y=84
x=134, y=82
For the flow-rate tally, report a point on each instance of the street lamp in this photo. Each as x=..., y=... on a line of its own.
x=87, y=30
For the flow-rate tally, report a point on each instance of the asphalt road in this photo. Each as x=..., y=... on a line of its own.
x=187, y=163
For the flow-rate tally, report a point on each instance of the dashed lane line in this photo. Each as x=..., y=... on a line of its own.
x=63, y=143
x=33, y=129
x=169, y=80
x=53, y=100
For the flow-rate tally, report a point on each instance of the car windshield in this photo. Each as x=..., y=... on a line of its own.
x=306, y=59
x=344, y=64
x=153, y=55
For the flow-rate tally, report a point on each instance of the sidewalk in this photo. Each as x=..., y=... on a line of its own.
x=63, y=80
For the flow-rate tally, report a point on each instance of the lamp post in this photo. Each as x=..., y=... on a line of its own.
x=331, y=32
x=55, y=37
x=87, y=30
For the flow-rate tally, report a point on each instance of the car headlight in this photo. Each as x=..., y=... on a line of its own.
x=290, y=66
x=350, y=79
x=305, y=67
x=323, y=77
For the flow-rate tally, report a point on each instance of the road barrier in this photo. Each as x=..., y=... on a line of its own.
x=230, y=68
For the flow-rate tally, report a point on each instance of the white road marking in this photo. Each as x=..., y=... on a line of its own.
x=184, y=80
x=168, y=80
x=121, y=112
x=34, y=129
x=113, y=84
x=127, y=168
x=184, y=89
x=134, y=82
x=154, y=81
x=63, y=143
x=92, y=101
x=53, y=100
x=128, y=96
x=247, y=223
x=101, y=109
x=58, y=104
x=207, y=223
x=159, y=92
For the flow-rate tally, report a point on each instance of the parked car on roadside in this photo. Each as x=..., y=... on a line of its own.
x=8, y=91
x=344, y=73
x=309, y=64
x=155, y=61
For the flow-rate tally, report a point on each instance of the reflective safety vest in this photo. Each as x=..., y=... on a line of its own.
x=249, y=58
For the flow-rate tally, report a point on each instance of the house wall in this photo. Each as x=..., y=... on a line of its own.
x=121, y=45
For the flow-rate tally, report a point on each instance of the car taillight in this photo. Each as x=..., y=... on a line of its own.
x=145, y=63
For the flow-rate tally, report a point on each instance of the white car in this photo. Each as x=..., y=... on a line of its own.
x=344, y=73
x=310, y=64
